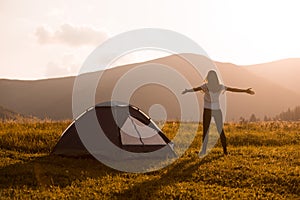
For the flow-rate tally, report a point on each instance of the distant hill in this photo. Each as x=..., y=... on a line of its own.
x=6, y=114
x=283, y=72
x=52, y=98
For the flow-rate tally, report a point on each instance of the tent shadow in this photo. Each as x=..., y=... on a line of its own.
x=181, y=171
x=51, y=171
x=60, y=171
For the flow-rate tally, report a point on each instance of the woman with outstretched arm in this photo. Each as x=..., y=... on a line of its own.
x=212, y=90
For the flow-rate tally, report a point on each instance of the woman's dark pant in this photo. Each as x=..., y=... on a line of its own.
x=207, y=115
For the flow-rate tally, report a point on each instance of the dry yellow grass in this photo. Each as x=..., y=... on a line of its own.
x=263, y=163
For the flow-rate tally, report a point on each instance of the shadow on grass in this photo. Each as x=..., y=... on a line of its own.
x=62, y=171
x=180, y=171
x=51, y=170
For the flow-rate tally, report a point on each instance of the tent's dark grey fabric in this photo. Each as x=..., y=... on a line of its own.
x=126, y=126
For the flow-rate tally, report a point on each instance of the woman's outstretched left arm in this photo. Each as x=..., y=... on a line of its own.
x=248, y=90
x=191, y=90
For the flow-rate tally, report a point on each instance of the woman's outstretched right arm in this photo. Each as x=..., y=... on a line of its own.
x=191, y=90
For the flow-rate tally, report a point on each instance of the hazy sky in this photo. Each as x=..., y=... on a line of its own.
x=41, y=39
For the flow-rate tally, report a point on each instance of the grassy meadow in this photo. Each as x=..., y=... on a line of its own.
x=263, y=163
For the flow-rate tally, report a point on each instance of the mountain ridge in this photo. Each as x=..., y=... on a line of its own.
x=216, y=61
x=52, y=98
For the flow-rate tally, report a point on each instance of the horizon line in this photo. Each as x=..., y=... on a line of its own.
x=69, y=76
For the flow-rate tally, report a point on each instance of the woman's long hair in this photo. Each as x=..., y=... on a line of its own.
x=213, y=82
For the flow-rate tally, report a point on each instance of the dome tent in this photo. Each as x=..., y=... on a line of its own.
x=126, y=127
